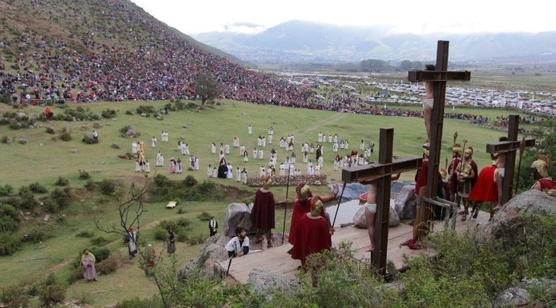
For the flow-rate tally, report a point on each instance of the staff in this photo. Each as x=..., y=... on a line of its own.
x=339, y=201
x=521, y=152
x=286, y=203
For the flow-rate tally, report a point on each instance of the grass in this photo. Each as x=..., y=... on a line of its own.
x=43, y=160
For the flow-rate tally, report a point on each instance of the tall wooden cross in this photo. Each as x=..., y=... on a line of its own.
x=381, y=173
x=509, y=148
x=440, y=76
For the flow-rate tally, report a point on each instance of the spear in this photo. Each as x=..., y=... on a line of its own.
x=521, y=152
x=339, y=201
x=286, y=204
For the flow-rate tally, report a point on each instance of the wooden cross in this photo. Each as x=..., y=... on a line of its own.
x=381, y=172
x=509, y=148
x=440, y=76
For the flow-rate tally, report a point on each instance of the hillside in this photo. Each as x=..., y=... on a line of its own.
x=300, y=41
x=88, y=50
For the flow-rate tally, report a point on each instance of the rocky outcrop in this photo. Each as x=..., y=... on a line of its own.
x=519, y=296
x=237, y=215
x=265, y=284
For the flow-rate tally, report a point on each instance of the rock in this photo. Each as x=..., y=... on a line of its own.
x=360, y=220
x=131, y=133
x=88, y=138
x=518, y=296
x=21, y=115
x=265, y=283
x=352, y=191
x=405, y=202
x=97, y=125
x=237, y=215
x=22, y=140
x=212, y=252
x=529, y=202
x=74, y=151
x=115, y=146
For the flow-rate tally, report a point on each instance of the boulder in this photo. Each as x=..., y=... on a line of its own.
x=352, y=191
x=22, y=140
x=212, y=252
x=529, y=202
x=405, y=202
x=115, y=146
x=97, y=125
x=237, y=215
x=131, y=133
x=518, y=296
x=265, y=284
x=360, y=220
x=89, y=139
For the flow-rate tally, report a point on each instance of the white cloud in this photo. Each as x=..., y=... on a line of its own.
x=423, y=16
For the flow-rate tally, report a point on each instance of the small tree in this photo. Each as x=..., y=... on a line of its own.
x=205, y=87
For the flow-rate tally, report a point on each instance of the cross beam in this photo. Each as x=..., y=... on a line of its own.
x=381, y=173
x=440, y=76
x=509, y=149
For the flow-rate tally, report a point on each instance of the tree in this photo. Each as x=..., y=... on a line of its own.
x=206, y=87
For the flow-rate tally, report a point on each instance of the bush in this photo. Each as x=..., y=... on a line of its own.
x=50, y=205
x=50, y=130
x=196, y=239
x=108, y=113
x=5, y=140
x=129, y=112
x=62, y=197
x=8, y=218
x=26, y=199
x=12, y=296
x=84, y=175
x=109, y=265
x=153, y=302
x=51, y=292
x=99, y=241
x=61, y=181
x=90, y=185
x=37, y=188
x=85, y=234
x=100, y=253
x=204, y=216
x=189, y=181
x=107, y=187
x=65, y=136
x=6, y=190
x=9, y=243
x=35, y=236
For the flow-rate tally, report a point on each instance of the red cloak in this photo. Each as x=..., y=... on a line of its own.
x=422, y=176
x=485, y=189
x=262, y=215
x=300, y=209
x=312, y=236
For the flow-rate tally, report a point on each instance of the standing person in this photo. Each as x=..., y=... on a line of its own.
x=485, y=190
x=132, y=242
x=159, y=161
x=88, y=265
x=171, y=242
x=466, y=175
x=499, y=173
x=213, y=226
x=428, y=103
x=305, y=198
x=250, y=129
x=452, y=177
x=313, y=235
x=239, y=245
x=262, y=215
x=153, y=142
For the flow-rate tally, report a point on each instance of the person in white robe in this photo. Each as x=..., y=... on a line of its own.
x=311, y=148
x=263, y=142
x=320, y=161
x=293, y=158
x=245, y=156
x=164, y=136
x=261, y=154
x=147, y=167
x=320, y=137
x=282, y=170
x=230, y=173
x=179, y=146
x=335, y=148
x=214, y=172
x=259, y=141
x=362, y=145
x=270, y=139
x=241, y=150
x=153, y=142
x=197, y=163
x=159, y=161
x=221, y=147
x=179, y=167
x=221, y=155
x=317, y=170
x=255, y=153
x=244, y=176
x=227, y=149
x=262, y=171
x=209, y=171
x=134, y=148
x=186, y=149
x=329, y=138
x=305, y=157
x=213, y=148
x=137, y=166
x=238, y=175
x=250, y=129
x=346, y=145
x=335, y=138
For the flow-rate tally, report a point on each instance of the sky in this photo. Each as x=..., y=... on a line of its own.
x=407, y=16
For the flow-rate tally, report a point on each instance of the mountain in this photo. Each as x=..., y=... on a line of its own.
x=300, y=41
x=88, y=50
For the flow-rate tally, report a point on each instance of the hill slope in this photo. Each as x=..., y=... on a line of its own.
x=300, y=41
x=86, y=50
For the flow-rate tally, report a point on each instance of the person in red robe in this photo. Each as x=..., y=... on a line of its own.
x=485, y=189
x=262, y=215
x=543, y=181
x=313, y=234
x=305, y=198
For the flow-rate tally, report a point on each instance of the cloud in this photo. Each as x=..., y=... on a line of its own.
x=244, y=27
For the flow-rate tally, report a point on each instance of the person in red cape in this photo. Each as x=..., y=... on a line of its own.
x=305, y=198
x=262, y=215
x=313, y=234
x=541, y=174
x=485, y=189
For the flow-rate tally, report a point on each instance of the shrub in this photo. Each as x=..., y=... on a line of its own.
x=129, y=112
x=109, y=265
x=90, y=185
x=6, y=190
x=62, y=197
x=153, y=302
x=99, y=241
x=189, y=181
x=100, y=253
x=61, y=181
x=84, y=175
x=8, y=218
x=65, y=136
x=5, y=139
x=38, y=188
x=52, y=292
x=50, y=205
x=195, y=239
x=26, y=199
x=107, y=187
x=12, y=296
x=181, y=210
x=9, y=243
x=50, y=130
x=204, y=216
x=35, y=236
x=85, y=234
x=108, y=113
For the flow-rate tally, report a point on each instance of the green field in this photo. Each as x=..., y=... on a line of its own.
x=44, y=160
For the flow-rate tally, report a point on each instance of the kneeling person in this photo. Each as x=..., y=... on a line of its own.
x=239, y=244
